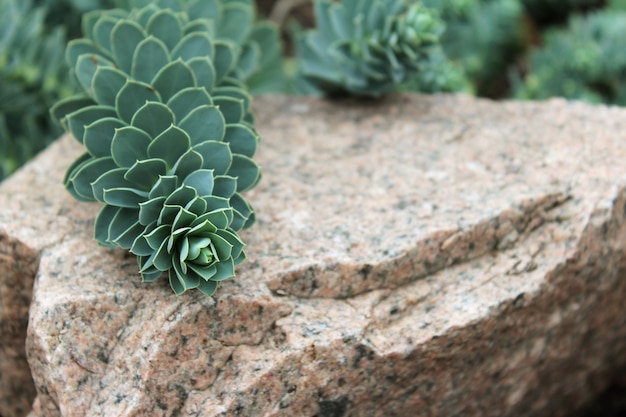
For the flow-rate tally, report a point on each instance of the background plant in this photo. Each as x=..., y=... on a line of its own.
x=33, y=75
x=586, y=61
x=369, y=47
x=477, y=55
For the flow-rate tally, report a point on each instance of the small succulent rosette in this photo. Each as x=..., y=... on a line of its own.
x=367, y=47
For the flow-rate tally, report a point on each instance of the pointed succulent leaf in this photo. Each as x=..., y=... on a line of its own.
x=149, y=210
x=129, y=145
x=99, y=135
x=160, y=258
x=234, y=240
x=153, y=118
x=197, y=206
x=88, y=22
x=73, y=168
x=236, y=22
x=246, y=171
x=217, y=218
x=111, y=179
x=128, y=238
x=172, y=78
x=225, y=270
x=86, y=67
x=165, y=26
x=233, y=92
x=124, y=228
x=146, y=173
x=190, y=161
x=124, y=197
x=78, y=47
x=158, y=236
x=179, y=198
x=215, y=155
x=103, y=221
x=165, y=186
x=69, y=105
x=78, y=120
x=132, y=97
x=248, y=60
x=201, y=180
x=199, y=25
x=125, y=37
x=243, y=214
x=206, y=9
x=181, y=222
x=141, y=248
x=224, y=59
x=170, y=145
x=87, y=173
x=150, y=56
x=242, y=139
x=180, y=283
x=183, y=102
x=150, y=275
x=102, y=32
x=197, y=44
x=232, y=109
x=224, y=186
x=208, y=288
x=203, y=123
x=107, y=82
x=204, y=72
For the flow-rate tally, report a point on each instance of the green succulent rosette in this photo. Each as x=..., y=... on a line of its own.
x=256, y=43
x=187, y=232
x=367, y=47
x=161, y=136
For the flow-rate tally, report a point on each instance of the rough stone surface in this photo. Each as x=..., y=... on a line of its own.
x=430, y=256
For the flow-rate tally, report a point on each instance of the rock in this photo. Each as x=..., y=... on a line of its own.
x=433, y=255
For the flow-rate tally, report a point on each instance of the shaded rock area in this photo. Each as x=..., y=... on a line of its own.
x=425, y=255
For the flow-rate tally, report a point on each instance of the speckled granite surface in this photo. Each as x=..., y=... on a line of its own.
x=421, y=256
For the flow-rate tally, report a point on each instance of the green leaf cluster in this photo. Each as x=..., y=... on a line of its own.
x=368, y=47
x=169, y=141
x=482, y=37
x=586, y=60
x=33, y=75
x=255, y=42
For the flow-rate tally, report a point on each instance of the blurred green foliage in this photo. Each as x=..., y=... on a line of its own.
x=33, y=75
x=586, y=61
x=525, y=49
x=483, y=37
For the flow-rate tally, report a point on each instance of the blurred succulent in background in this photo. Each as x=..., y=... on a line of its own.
x=367, y=47
x=586, y=61
x=169, y=141
x=483, y=37
x=33, y=75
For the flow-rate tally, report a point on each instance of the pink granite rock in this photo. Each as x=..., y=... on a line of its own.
x=419, y=256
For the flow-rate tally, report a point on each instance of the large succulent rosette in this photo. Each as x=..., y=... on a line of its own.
x=368, y=47
x=169, y=143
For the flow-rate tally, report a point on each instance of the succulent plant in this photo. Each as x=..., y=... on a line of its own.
x=483, y=37
x=367, y=47
x=255, y=43
x=168, y=152
x=584, y=61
